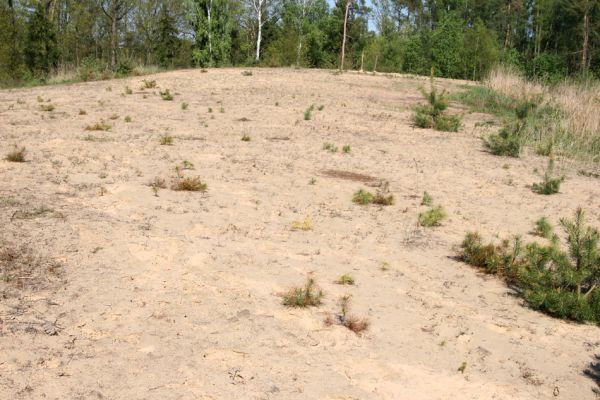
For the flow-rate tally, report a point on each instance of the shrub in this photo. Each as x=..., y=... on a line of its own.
x=352, y=322
x=362, y=197
x=427, y=199
x=346, y=149
x=432, y=217
x=543, y=228
x=432, y=115
x=149, y=84
x=166, y=95
x=17, y=155
x=309, y=295
x=383, y=196
x=189, y=184
x=345, y=279
x=549, y=185
x=308, y=112
x=507, y=142
x=330, y=147
x=561, y=283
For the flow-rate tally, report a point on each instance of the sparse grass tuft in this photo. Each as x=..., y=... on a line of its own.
x=17, y=155
x=308, y=112
x=549, y=185
x=427, y=200
x=166, y=140
x=345, y=279
x=383, y=196
x=433, y=115
x=330, y=147
x=166, y=95
x=47, y=107
x=98, y=126
x=346, y=149
x=149, y=84
x=128, y=119
x=543, y=228
x=432, y=217
x=184, y=106
x=246, y=138
x=308, y=296
x=352, y=322
x=189, y=184
x=305, y=225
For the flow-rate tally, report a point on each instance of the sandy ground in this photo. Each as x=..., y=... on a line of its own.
x=177, y=296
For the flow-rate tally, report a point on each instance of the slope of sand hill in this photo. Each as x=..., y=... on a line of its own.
x=177, y=296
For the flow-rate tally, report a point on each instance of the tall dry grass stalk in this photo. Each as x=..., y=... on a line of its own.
x=576, y=124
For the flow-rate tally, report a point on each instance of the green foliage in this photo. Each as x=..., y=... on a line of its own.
x=166, y=95
x=549, y=184
x=433, y=116
x=362, y=197
x=432, y=217
x=427, y=199
x=561, y=283
x=346, y=149
x=507, y=142
x=309, y=295
x=41, y=52
x=308, y=112
x=345, y=279
x=543, y=228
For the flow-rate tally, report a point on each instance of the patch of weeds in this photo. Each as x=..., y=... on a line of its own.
x=245, y=138
x=509, y=141
x=98, y=126
x=22, y=269
x=47, y=107
x=149, y=84
x=383, y=197
x=246, y=73
x=156, y=184
x=432, y=217
x=187, y=165
x=427, y=200
x=17, y=155
x=309, y=295
x=128, y=119
x=362, y=197
x=345, y=279
x=184, y=106
x=330, y=147
x=344, y=318
x=308, y=112
x=166, y=95
x=189, y=184
x=384, y=266
x=502, y=259
x=543, y=228
x=305, y=225
x=433, y=115
x=346, y=149
x=550, y=184
x=166, y=140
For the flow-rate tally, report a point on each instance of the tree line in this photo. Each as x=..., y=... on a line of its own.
x=548, y=39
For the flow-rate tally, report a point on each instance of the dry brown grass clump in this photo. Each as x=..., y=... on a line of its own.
x=17, y=155
x=352, y=322
x=508, y=82
x=98, y=126
x=189, y=184
x=21, y=269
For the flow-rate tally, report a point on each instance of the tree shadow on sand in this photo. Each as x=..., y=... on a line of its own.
x=593, y=372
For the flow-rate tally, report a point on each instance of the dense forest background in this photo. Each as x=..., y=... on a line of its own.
x=547, y=39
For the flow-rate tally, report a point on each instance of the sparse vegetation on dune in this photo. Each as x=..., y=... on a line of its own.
x=309, y=295
x=16, y=155
x=563, y=283
x=433, y=115
x=189, y=184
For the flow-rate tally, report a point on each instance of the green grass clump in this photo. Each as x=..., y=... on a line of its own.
x=308, y=295
x=308, y=112
x=543, y=228
x=564, y=283
x=330, y=147
x=345, y=279
x=432, y=217
x=184, y=106
x=507, y=142
x=98, y=126
x=362, y=197
x=346, y=149
x=17, y=155
x=549, y=184
x=427, y=199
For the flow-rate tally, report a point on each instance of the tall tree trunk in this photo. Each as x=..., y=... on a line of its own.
x=343, y=56
x=259, y=11
x=209, y=18
x=508, y=28
x=586, y=38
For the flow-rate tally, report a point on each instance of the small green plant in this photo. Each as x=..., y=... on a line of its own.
x=362, y=197
x=166, y=95
x=508, y=142
x=432, y=217
x=247, y=73
x=433, y=115
x=309, y=295
x=308, y=112
x=98, y=126
x=550, y=184
x=330, y=147
x=462, y=367
x=17, y=155
x=344, y=318
x=47, y=107
x=427, y=200
x=189, y=184
x=166, y=140
x=345, y=279
x=246, y=138
x=128, y=119
x=543, y=228
x=184, y=106
x=187, y=165
x=346, y=149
